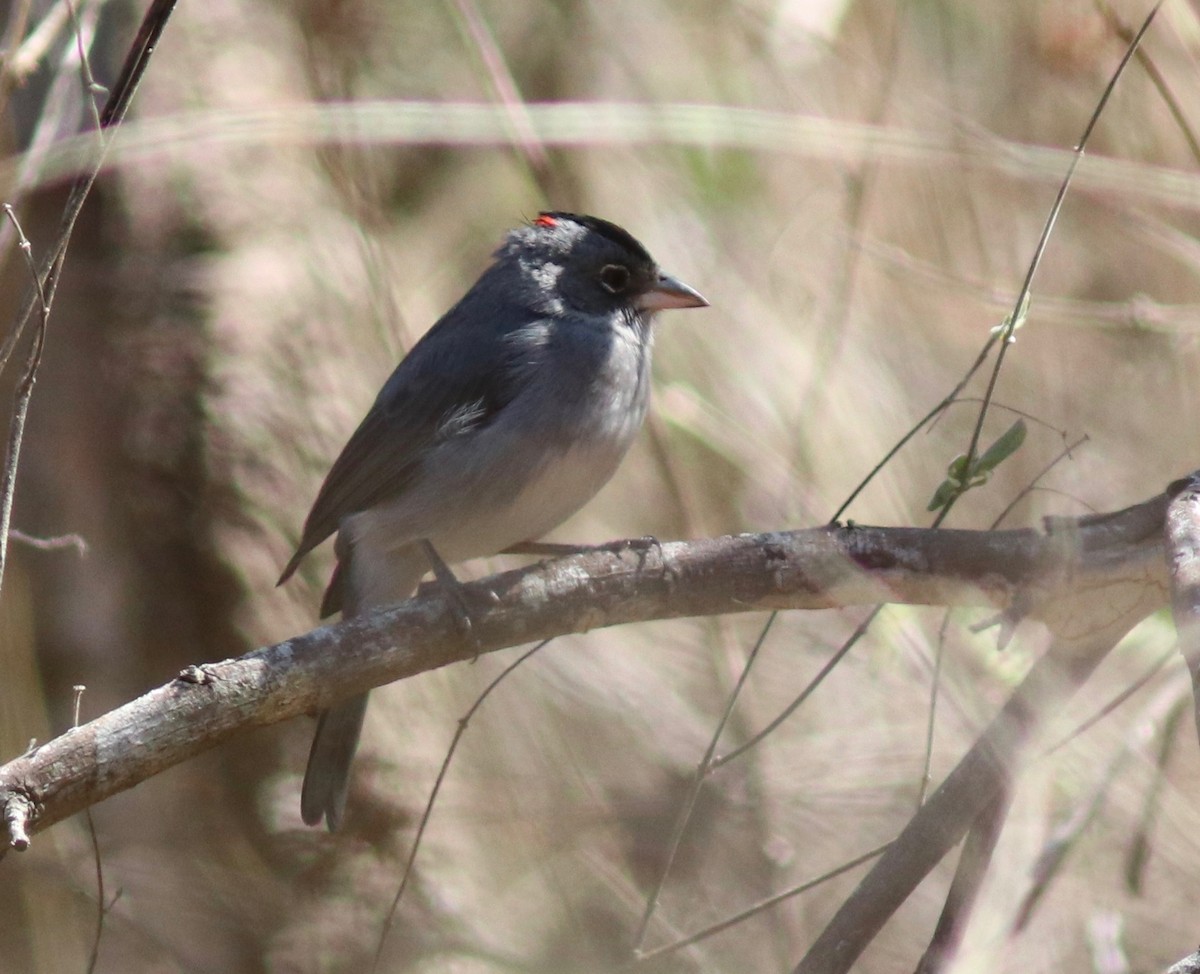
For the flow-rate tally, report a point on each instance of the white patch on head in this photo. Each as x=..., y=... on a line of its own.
x=545, y=277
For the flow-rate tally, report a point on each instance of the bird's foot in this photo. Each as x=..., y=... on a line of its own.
x=455, y=594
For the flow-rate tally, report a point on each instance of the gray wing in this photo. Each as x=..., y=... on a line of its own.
x=456, y=380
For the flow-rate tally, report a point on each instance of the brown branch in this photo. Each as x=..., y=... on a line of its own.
x=963, y=797
x=1075, y=578
x=1088, y=614
x=968, y=880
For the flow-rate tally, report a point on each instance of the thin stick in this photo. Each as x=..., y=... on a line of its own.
x=41, y=295
x=22, y=395
x=936, y=411
x=807, y=692
x=115, y=109
x=101, y=909
x=757, y=908
x=525, y=137
x=1111, y=705
x=1051, y=219
x=57, y=543
x=689, y=804
x=1119, y=27
x=926, y=773
x=433, y=795
x=85, y=67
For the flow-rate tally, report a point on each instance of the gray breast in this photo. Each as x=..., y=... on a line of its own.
x=545, y=456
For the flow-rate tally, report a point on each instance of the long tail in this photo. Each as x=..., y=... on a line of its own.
x=394, y=578
x=327, y=778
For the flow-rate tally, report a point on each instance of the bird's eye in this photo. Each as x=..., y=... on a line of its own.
x=614, y=278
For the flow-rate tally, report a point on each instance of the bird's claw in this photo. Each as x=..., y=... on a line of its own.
x=455, y=595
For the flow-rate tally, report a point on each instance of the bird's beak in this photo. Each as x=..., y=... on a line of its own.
x=670, y=293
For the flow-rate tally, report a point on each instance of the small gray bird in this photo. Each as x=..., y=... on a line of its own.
x=503, y=420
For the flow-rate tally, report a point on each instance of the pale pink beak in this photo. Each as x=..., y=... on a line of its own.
x=669, y=293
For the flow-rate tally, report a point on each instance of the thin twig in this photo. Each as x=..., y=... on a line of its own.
x=433, y=795
x=22, y=395
x=524, y=136
x=1110, y=706
x=935, y=688
x=969, y=875
x=1039, y=252
x=807, y=692
x=689, y=803
x=936, y=411
x=1033, y=484
x=101, y=908
x=45, y=283
x=757, y=908
x=1122, y=30
x=115, y=109
x=85, y=67
x=57, y=543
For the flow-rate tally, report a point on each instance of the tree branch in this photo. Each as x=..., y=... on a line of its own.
x=1183, y=554
x=1088, y=611
x=1079, y=577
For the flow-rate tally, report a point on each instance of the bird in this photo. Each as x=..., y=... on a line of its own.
x=503, y=420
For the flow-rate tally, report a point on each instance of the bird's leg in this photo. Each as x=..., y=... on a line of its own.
x=641, y=545
x=453, y=590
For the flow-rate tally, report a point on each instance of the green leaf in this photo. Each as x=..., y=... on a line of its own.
x=962, y=475
x=1004, y=447
x=946, y=492
x=957, y=470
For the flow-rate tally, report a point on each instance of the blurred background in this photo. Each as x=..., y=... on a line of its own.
x=858, y=188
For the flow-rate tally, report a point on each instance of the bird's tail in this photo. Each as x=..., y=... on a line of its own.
x=327, y=778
